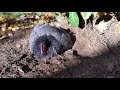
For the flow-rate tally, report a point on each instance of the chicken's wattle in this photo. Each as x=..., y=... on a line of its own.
x=42, y=49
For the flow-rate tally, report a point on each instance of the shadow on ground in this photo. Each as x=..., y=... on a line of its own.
x=106, y=65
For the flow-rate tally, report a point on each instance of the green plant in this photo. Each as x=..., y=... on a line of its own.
x=73, y=19
x=38, y=13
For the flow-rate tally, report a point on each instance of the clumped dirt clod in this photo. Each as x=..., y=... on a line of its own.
x=91, y=42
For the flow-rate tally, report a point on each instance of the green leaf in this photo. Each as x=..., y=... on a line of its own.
x=38, y=13
x=58, y=16
x=73, y=19
x=86, y=15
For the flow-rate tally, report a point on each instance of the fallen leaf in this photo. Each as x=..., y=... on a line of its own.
x=101, y=14
x=55, y=24
x=35, y=22
x=3, y=25
x=15, y=28
x=1, y=18
x=3, y=37
x=118, y=27
x=10, y=28
x=2, y=33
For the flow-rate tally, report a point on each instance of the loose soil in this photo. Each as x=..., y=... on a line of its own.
x=16, y=61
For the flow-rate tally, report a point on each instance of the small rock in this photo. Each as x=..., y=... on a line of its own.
x=18, y=45
x=110, y=67
x=19, y=69
x=37, y=17
x=55, y=70
x=68, y=51
x=56, y=62
x=58, y=57
x=3, y=29
x=10, y=34
x=69, y=54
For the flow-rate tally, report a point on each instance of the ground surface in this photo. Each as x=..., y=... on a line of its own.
x=17, y=62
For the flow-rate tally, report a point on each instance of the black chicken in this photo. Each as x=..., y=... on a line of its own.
x=47, y=40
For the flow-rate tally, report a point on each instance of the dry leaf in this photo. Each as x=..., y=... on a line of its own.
x=101, y=14
x=3, y=37
x=35, y=22
x=118, y=27
x=55, y=24
x=15, y=28
x=51, y=14
x=2, y=19
x=3, y=25
x=30, y=26
x=30, y=16
x=10, y=28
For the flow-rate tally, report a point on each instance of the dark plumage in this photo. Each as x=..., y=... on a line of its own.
x=47, y=40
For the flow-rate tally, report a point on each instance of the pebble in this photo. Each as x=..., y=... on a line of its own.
x=69, y=53
x=110, y=67
x=18, y=46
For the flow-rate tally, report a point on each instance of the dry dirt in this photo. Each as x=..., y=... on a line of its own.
x=17, y=62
